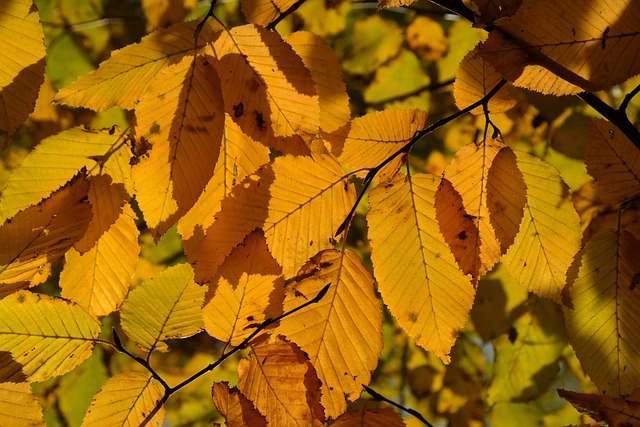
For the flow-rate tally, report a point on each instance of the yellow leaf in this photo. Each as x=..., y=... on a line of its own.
x=527, y=357
x=46, y=336
x=281, y=383
x=417, y=274
x=267, y=89
x=162, y=308
x=298, y=202
x=19, y=406
x=395, y=3
x=607, y=410
x=38, y=236
x=242, y=294
x=239, y=156
x=326, y=72
x=264, y=12
x=549, y=235
x=237, y=410
x=373, y=137
x=54, y=162
x=613, y=161
x=474, y=80
x=107, y=200
x=99, y=279
x=603, y=324
x=162, y=13
x=21, y=62
x=426, y=38
x=126, y=399
x=370, y=418
x=574, y=46
x=375, y=41
x=130, y=69
x=346, y=322
x=182, y=117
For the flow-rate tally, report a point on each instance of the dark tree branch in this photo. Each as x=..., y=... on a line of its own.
x=628, y=98
x=284, y=14
x=380, y=397
x=617, y=117
x=457, y=7
x=426, y=88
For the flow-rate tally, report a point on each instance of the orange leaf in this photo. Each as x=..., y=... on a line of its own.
x=474, y=80
x=21, y=62
x=417, y=274
x=264, y=12
x=244, y=292
x=267, y=89
x=607, y=410
x=613, y=161
x=346, y=322
x=183, y=118
x=237, y=410
x=281, y=383
x=370, y=418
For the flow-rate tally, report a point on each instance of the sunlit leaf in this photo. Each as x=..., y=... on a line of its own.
x=244, y=292
x=574, y=46
x=417, y=274
x=165, y=307
x=99, y=279
x=298, y=202
x=326, y=73
x=182, y=117
x=426, y=38
x=46, y=336
x=19, y=406
x=549, y=235
x=527, y=356
x=50, y=165
x=375, y=41
x=264, y=12
x=239, y=156
x=281, y=383
x=237, y=410
x=602, y=325
x=40, y=235
x=162, y=13
x=347, y=321
x=129, y=69
x=474, y=80
x=267, y=89
x=607, y=410
x=126, y=400
x=370, y=418
x=463, y=37
x=613, y=161
x=21, y=62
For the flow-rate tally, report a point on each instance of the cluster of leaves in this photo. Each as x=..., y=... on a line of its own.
x=242, y=153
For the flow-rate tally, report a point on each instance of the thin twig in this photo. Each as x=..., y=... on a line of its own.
x=380, y=397
x=426, y=88
x=617, y=117
x=284, y=14
x=457, y=7
x=625, y=102
x=140, y=360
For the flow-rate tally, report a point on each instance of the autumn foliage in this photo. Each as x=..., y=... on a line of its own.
x=244, y=213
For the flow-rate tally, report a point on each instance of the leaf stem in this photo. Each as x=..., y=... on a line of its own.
x=284, y=14
x=380, y=397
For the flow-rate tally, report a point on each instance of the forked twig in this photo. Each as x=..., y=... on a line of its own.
x=380, y=397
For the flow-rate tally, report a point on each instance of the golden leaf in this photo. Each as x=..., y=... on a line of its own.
x=347, y=321
x=370, y=418
x=281, y=383
x=613, y=161
x=395, y=3
x=264, y=12
x=99, y=279
x=474, y=80
x=22, y=62
x=549, y=235
x=19, y=406
x=607, y=410
x=244, y=292
x=527, y=357
x=603, y=324
x=162, y=308
x=267, y=89
x=426, y=38
x=417, y=274
x=239, y=156
x=54, y=162
x=40, y=235
x=326, y=72
x=131, y=69
x=126, y=400
x=182, y=117
x=46, y=336
x=299, y=202
x=563, y=48
x=237, y=410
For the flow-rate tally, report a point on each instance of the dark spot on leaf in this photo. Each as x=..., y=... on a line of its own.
x=238, y=110
x=311, y=243
x=155, y=128
x=513, y=334
x=573, y=31
x=462, y=235
x=21, y=299
x=413, y=317
x=604, y=37
x=250, y=318
x=263, y=361
x=259, y=120
x=634, y=281
x=331, y=388
x=112, y=130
